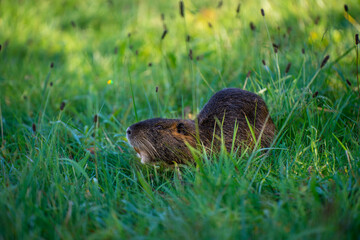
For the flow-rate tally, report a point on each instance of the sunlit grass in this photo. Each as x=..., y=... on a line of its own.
x=65, y=175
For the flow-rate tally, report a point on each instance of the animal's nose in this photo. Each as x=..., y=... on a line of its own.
x=128, y=131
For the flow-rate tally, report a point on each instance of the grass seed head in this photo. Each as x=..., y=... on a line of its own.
x=96, y=118
x=162, y=17
x=51, y=84
x=0, y=47
x=209, y=24
x=252, y=26
x=115, y=50
x=248, y=74
x=303, y=51
x=220, y=4
x=188, y=38
x=34, y=127
x=157, y=89
x=288, y=30
x=263, y=62
x=181, y=6
x=164, y=34
x=150, y=64
x=357, y=41
x=324, y=61
x=288, y=67
x=62, y=105
x=348, y=82
x=276, y=47
x=73, y=24
x=315, y=94
x=191, y=54
x=238, y=8
x=262, y=12
x=346, y=8
x=51, y=65
x=317, y=19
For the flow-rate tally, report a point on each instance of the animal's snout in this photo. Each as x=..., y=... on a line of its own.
x=128, y=131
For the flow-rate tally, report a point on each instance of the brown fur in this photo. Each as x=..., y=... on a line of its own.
x=167, y=140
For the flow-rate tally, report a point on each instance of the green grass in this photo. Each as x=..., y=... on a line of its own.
x=72, y=178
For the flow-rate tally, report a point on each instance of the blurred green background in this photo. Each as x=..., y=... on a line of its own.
x=81, y=39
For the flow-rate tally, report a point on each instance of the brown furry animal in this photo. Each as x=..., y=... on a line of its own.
x=230, y=111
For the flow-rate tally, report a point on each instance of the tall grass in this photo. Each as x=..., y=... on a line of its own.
x=66, y=175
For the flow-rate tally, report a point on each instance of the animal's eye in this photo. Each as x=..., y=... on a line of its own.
x=181, y=128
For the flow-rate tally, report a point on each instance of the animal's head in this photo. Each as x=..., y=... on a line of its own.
x=161, y=139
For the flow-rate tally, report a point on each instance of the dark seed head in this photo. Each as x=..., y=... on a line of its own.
x=262, y=12
x=315, y=94
x=238, y=8
x=317, y=19
x=95, y=118
x=248, y=74
x=181, y=6
x=288, y=67
x=136, y=52
x=276, y=47
x=131, y=46
x=263, y=62
x=150, y=64
x=73, y=24
x=289, y=29
x=324, y=61
x=252, y=26
x=198, y=58
x=157, y=89
x=303, y=51
x=51, y=84
x=188, y=38
x=209, y=24
x=357, y=41
x=62, y=106
x=34, y=127
x=346, y=8
x=191, y=54
x=0, y=47
x=115, y=50
x=129, y=35
x=162, y=17
x=348, y=82
x=220, y=4
x=25, y=97
x=164, y=34
x=51, y=65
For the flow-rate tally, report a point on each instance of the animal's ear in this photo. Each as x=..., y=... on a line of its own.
x=180, y=127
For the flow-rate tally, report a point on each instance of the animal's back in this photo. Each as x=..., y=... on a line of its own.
x=232, y=106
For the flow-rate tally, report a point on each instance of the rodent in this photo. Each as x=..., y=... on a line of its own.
x=167, y=140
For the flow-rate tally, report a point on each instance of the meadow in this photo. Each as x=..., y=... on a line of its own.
x=75, y=74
